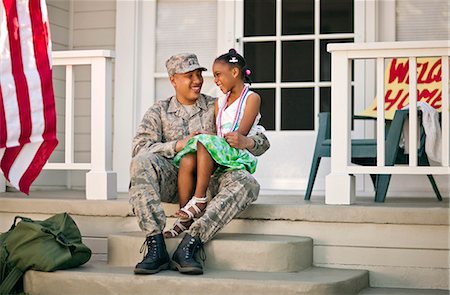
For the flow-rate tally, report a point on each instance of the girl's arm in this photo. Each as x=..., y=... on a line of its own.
x=250, y=112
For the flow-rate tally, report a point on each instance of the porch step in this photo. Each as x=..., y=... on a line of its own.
x=240, y=252
x=99, y=278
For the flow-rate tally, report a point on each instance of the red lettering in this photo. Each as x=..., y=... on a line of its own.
x=390, y=101
x=426, y=95
x=435, y=77
x=402, y=103
x=399, y=72
x=433, y=98
x=422, y=67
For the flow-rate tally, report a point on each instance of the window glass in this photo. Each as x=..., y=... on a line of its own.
x=325, y=99
x=325, y=58
x=298, y=17
x=259, y=17
x=298, y=61
x=267, y=109
x=336, y=16
x=260, y=58
x=297, y=107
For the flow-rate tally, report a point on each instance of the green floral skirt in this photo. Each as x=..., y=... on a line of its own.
x=227, y=157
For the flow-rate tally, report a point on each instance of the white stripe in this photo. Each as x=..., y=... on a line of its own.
x=22, y=161
x=8, y=87
x=47, y=24
x=2, y=152
x=30, y=71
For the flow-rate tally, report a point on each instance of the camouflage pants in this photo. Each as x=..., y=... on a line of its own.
x=154, y=180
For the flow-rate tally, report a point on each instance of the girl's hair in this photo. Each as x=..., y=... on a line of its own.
x=234, y=59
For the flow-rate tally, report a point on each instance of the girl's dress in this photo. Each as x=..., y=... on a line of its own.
x=228, y=120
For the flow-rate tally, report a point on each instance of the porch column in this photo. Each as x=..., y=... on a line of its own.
x=339, y=185
x=101, y=181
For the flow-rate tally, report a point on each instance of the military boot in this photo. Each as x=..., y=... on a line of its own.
x=156, y=258
x=184, y=258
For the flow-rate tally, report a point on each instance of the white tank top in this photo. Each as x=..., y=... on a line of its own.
x=229, y=117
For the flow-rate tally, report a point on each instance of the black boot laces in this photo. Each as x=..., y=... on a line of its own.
x=149, y=248
x=189, y=250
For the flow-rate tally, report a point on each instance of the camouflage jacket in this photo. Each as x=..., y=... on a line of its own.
x=167, y=121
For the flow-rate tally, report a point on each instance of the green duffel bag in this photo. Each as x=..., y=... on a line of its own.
x=48, y=245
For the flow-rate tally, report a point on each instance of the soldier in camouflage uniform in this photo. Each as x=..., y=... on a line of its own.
x=164, y=131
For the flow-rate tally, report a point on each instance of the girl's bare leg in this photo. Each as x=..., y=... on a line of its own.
x=187, y=178
x=186, y=184
x=205, y=167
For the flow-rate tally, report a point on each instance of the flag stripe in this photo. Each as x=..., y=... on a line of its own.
x=26, y=96
x=8, y=87
x=21, y=163
x=8, y=159
x=31, y=73
x=39, y=160
x=40, y=39
x=23, y=98
x=2, y=122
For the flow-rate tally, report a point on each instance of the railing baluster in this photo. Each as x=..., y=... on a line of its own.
x=380, y=112
x=69, y=128
x=412, y=112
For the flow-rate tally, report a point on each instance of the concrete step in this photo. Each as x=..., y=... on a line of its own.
x=98, y=278
x=241, y=252
x=399, y=291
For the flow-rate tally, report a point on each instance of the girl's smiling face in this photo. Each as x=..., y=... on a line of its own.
x=225, y=76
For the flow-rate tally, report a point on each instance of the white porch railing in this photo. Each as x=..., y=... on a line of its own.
x=340, y=183
x=101, y=182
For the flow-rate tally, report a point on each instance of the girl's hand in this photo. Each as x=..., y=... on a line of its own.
x=239, y=141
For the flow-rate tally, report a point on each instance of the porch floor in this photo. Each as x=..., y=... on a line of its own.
x=396, y=210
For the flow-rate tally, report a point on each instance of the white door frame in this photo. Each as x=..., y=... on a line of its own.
x=134, y=83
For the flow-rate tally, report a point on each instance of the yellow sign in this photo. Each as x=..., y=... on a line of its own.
x=396, y=85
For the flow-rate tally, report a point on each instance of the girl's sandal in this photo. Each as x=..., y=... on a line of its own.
x=177, y=228
x=191, y=209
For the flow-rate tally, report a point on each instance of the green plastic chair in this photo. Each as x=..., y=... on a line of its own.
x=364, y=152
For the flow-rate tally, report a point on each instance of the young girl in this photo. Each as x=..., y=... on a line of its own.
x=205, y=153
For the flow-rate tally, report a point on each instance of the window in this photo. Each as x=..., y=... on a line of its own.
x=284, y=43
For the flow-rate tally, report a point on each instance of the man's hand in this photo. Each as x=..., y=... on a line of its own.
x=239, y=141
x=181, y=143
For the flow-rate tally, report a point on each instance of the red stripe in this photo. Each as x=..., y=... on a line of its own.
x=8, y=159
x=40, y=39
x=23, y=98
x=39, y=160
x=3, y=135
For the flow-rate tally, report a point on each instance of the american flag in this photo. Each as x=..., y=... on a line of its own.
x=27, y=105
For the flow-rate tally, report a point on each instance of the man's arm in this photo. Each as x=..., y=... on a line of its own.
x=256, y=144
x=149, y=136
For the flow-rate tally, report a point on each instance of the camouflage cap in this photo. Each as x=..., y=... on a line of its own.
x=182, y=63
